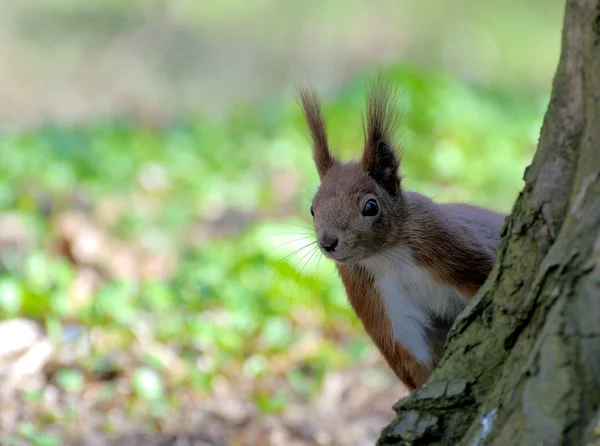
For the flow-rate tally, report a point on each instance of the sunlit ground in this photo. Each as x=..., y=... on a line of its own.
x=156, y=267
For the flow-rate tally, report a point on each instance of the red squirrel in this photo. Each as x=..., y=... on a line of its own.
x=409, y=266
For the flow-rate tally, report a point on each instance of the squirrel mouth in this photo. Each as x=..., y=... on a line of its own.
x=342, y=259
x=335, y=258
x=345, y=260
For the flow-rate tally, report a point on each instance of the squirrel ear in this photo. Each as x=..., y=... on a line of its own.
x=316, y=124
x=380, y=158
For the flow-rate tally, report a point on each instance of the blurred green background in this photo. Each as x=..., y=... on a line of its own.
x=155, y=179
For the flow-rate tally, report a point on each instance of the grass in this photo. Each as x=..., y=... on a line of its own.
x=178, y=254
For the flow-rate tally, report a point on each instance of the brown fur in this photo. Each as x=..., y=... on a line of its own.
x=367, y=304
x=379, y=156
x=316, y=124
x=456, y=243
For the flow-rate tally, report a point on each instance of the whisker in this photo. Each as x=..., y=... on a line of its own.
x=314, y=276
x=279, y=264
x=292, y=241
x=308, y=227
x=312, y=253
x=294, y=252
x=316, y=279
x=293, y=233
x=303, y=218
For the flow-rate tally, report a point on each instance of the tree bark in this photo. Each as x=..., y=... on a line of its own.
x=522, y=363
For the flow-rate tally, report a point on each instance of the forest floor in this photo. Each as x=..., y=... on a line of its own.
x=157, y=285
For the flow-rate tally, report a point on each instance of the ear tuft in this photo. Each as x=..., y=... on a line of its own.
x=316, y=124
x=380, y=158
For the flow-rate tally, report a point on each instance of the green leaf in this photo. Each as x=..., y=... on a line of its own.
x=255, y=365
x=271, y=403
x=11, y=297
x=277, y=333
x=45, y=439
x=147, y=384
x=70, y=380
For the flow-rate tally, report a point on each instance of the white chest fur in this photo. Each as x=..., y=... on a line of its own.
x=411, y=296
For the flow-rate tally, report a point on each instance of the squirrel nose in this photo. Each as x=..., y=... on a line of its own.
x=328, y=242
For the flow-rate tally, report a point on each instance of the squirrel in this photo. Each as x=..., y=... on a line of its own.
x=409, y=265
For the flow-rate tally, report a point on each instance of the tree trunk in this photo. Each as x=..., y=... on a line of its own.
x=522, y=363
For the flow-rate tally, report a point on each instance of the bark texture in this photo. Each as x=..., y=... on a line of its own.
x=522, y=363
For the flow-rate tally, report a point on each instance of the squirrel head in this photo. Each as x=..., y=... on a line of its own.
x=358, y=209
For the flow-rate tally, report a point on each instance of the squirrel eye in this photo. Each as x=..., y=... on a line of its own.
x=312, y=212
x=371, y=208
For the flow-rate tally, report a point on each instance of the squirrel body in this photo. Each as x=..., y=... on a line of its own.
x=409, y=266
